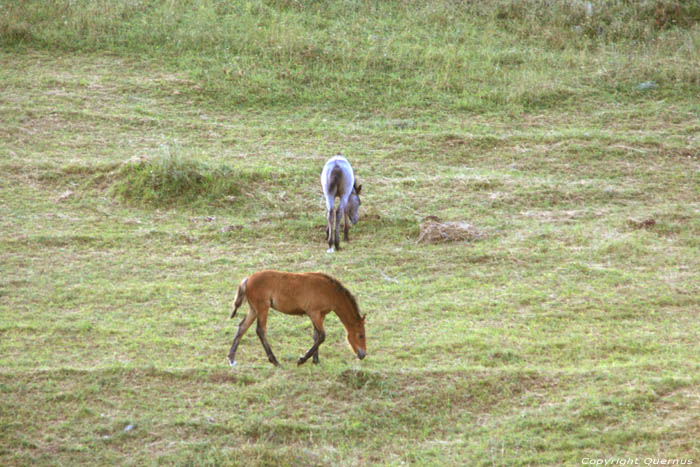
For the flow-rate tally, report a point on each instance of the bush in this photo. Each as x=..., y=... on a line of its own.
x=167, y=179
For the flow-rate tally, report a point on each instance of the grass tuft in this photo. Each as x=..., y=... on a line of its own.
x=170, y=179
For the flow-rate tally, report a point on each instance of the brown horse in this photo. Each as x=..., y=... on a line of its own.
x=313, y=293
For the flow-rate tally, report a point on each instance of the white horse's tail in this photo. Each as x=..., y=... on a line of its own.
x=334, y=181
x=240, y=295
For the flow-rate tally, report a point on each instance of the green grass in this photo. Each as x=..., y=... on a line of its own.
x=154, y=153
x=169, y=179
x=518, y=56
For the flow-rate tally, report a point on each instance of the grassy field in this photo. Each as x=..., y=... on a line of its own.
x=154, y=153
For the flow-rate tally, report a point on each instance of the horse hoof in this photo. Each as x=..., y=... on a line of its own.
x=300, y=361
x=232, y=362
x=330, y=250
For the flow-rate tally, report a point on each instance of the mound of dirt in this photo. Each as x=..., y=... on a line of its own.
x=434, y=230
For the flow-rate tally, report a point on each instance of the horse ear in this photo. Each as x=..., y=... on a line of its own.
x=363, y=317
x=358, y=188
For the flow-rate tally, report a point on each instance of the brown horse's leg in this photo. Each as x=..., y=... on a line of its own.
x=242, y=328
x=315, y=359
x=319, y=337
x=261, y=330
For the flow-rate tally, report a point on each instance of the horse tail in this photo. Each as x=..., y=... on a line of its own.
x=240, y=295
x=336, y=175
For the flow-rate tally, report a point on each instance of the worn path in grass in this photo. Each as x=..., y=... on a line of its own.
x=569, y=331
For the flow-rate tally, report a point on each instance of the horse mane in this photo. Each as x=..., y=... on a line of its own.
x=341, y=288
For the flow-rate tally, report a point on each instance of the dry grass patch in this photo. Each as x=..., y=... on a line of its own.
x=637, y=224
x=553, y=216
x=434, y=230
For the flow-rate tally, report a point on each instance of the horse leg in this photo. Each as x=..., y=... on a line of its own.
x=338, y=218
x=242, y=328
x=329, y=227
x=346, y=227
x=261, y=330
x=315, y=360
x=319, y=337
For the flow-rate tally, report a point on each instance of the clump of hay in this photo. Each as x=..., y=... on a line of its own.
x=434, y=230
x=643, y=224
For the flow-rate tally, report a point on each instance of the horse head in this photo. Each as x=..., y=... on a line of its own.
x=356, y=338
x=353, y=207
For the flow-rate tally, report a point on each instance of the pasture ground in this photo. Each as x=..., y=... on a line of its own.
x=569, y=331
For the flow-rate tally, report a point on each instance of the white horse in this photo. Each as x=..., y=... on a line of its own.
x=338, y=180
